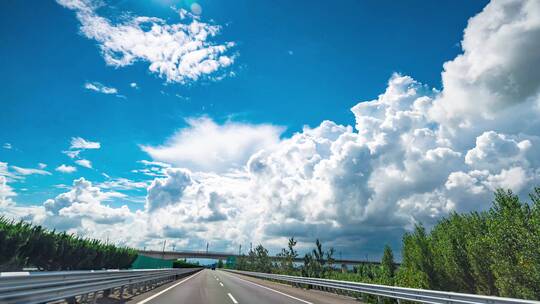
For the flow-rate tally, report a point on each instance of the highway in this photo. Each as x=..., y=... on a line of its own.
x=213, y=286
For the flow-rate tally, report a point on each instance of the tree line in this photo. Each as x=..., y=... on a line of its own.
x=25, y=245
x=494, y=252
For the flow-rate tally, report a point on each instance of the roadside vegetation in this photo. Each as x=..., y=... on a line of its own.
x=183, y=263
x=495, y=252
x=26, y=245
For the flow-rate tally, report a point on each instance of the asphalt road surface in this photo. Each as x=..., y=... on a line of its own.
x=220, y=287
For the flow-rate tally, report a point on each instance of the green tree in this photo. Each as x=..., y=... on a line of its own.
x=417, y=266
x=288, y=255
x=262, y=260
x=510, y=233
x=220, y=264
x=388, y=267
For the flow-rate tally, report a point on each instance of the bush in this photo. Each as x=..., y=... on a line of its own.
x=26, y=245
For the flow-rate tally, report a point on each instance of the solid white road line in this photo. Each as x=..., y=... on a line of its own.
x=281, y=293
x=232, y=298
x=167, y=289
x=221, y=284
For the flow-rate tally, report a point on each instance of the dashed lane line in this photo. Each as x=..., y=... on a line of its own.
x=232, y=298
x=281, y=293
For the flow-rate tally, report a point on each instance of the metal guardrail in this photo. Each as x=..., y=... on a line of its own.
x=82, y=286
x=393, y=292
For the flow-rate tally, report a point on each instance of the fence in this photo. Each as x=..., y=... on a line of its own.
x=382, y=291
x=84, y=286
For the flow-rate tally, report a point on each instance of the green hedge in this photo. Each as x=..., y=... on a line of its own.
x=26, y=245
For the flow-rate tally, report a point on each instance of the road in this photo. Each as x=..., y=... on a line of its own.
x=212, y=286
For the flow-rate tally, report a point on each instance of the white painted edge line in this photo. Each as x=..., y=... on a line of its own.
x=281, y=293
x=221, y=284
x=14, y=274
x=232, y=298
x=167, y=289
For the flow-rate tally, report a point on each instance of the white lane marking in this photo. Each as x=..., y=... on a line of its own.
x=281, y=293
x=14, y=274
x=167, y=289
x=232, y=298
x=221, y=284
x=217, y=279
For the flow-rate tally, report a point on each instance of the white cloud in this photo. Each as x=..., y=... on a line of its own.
x=122, y=184
x=205, y=145
x=42, y=165
x=5, y=190
x=72, y=153
x=178, y=52
x=84, y=202
x=84, y=163
x=65, y=169
x=80, y=143
x=98, y=87
x=134, y=85
x=29, y=171
x=359, y=186
x=7, y=146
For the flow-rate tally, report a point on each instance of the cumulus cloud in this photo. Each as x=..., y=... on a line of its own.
x=66, y=169
x=100, y=88
x=179, y=52
x=80, y=143
x=207, y=146
x=494, y=78
x=7, y=146
x=413, y=155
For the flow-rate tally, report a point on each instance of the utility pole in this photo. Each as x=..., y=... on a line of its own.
x=239, y=249
x=173, y=246
x=164, y=243
x=250, y=246
x=207, y=247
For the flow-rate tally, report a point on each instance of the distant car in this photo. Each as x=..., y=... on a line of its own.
x=213, y=267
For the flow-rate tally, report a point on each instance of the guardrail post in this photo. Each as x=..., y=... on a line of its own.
x=94, y=298
x=379, y=300
x=121, y=292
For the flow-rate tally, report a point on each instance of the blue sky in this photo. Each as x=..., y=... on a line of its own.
x=262, y=124
x=298, y=64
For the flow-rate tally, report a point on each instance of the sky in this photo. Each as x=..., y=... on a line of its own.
x=237, y=122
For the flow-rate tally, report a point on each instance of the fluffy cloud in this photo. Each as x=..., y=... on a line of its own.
x=79, y=143
x=206, y=146
x=7, y=146
x=84, y=202
x=100, y=88
x=178, y=52
x=65, y=169
x=493, y=77
x=414, y=155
